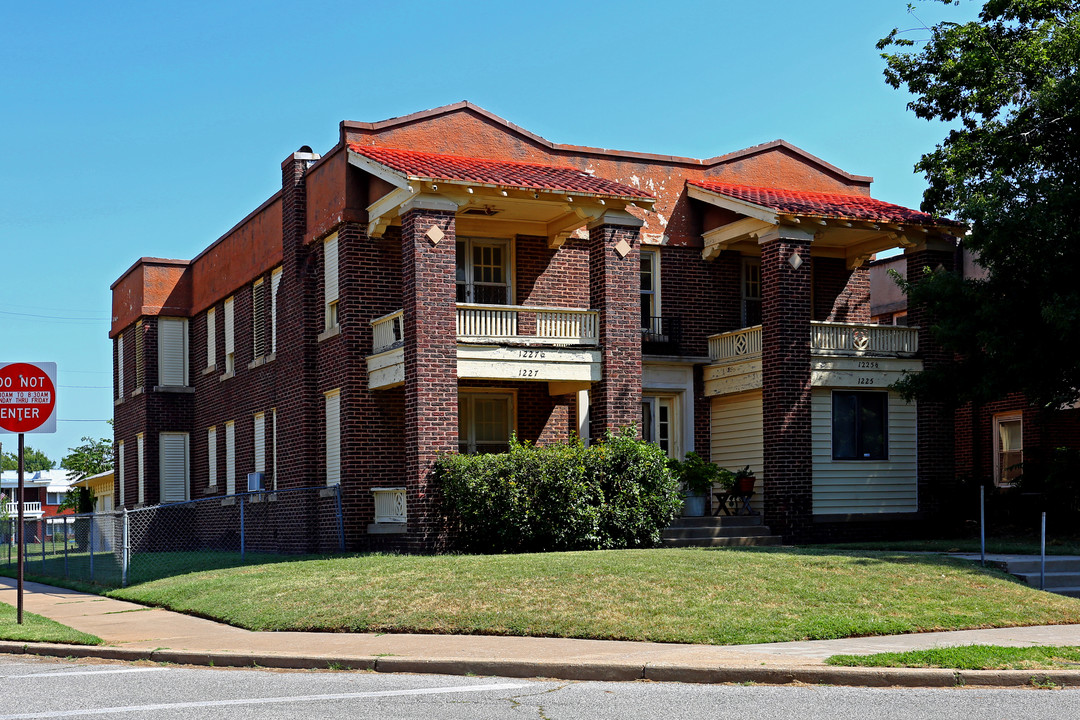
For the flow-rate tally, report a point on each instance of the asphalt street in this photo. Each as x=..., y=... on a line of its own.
x=44, y=688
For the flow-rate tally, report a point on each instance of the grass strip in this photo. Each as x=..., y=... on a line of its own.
x=39, y=629
x=970, y=657
x=690, y=595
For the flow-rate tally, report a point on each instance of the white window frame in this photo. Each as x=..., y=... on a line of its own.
x=332, y=434
x=211, y=456
x=507, y=247
x=331, y=268
x=999, y=469
x=120, y=470
x=140, y=448
x=273, y=422
x=672, y=402
x=259, y=442
x=275, y=283
x=211, y=338
x=744, y=284
x=467, y=415
x=163, y=445
x=120, y=366
x=653, y=258
x=230, y=336
x=179, y=346
x=258, y=319
x=230, y=457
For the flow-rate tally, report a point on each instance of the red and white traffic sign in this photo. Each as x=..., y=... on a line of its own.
x=28, y=397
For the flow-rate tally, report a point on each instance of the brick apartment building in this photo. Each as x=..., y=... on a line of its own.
x=439, y=281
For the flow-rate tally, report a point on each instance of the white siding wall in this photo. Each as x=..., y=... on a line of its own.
x=737, y=435
x=859, y=486
x=173, y=454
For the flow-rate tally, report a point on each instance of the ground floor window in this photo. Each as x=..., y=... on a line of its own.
x=860, y=425
x=485, y=421
x=1008, y=448
x=659, y=423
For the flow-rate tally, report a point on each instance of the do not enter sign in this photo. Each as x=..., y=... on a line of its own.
x=28, y=397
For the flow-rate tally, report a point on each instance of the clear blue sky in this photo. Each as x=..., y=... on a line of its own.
x=146, y=128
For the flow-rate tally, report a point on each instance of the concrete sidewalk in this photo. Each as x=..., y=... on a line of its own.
x=135, y=632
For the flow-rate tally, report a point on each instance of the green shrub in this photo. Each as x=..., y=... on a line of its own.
x=617, y=493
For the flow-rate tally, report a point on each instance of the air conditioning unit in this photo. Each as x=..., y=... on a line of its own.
x=256, y=481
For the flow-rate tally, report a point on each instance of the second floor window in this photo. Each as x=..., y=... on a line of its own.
x=483, y=271
x=230, y=338
x=650, y=292
x=258, y=318
x=751, y=292
x=330, y=281
x=172, y=352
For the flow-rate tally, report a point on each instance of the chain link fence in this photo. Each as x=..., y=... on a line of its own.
x=122, y=547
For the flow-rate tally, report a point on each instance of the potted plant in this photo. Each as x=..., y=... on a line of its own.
x=742, y=481
x=696, y=475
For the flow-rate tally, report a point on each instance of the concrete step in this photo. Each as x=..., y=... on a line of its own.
x=1029, y=565
x=718, y=521
x=1054, y=580
x=715, y=532
x=744, y=541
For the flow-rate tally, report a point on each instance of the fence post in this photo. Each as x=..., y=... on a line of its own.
x=1042, y=554
x=982, y=524
x=340, y=520
x=240, y=499
x=91, y=541
x=67, y=541
x=124, y=551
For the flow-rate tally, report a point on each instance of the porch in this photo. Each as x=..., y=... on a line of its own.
x=30, y=509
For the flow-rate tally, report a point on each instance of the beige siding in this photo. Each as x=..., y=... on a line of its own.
x=736, y=435
x=856, y=486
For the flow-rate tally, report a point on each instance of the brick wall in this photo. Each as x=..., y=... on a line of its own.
x=841, y=295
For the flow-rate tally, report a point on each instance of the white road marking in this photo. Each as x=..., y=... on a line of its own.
x=66, y=673
x=262, y=701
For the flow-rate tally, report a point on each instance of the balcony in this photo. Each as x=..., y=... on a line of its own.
x=507, y=342
x=29, y=509
x=661, y=335
x=841, y=355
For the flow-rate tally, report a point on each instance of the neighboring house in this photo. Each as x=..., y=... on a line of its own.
x=992, y=441
x=437, y=282
x=102, y=486
x=45, y=491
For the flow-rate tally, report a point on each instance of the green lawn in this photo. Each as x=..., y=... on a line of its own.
x=38, y=629
x=971, y=657
x=667, y=595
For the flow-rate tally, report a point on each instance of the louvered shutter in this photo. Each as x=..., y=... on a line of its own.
x=140, y=447
x=211, y=338
x=275, y=282
x=330, y=276
x=174, y=466
x=333, y=437
x=260, y=442
x=172, y=351
x=120, y=366
x=258, y=320
x=120, y=470
x=230, y=458
x=230, y=345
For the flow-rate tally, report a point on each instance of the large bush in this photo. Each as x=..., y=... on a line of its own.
x=617, y=493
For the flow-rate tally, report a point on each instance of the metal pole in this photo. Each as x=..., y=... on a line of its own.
x=91, y=541
x=340, y=521
x=125, y=552
x=982, y=523
x=1042, y=554
x=66, y=543
x=241, y=499
x=21, y=552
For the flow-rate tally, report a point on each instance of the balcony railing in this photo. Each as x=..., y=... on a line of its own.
x=826, y=338
x=28, y=508
x=661, y=335
x=388, y=331
x=390, y=505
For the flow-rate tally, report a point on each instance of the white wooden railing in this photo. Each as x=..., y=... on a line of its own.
x=500, y=323
x=830, y=338
x=826, y=338
x=744, y=344
x=388, y=331
x=390, y=505
x=28, y=507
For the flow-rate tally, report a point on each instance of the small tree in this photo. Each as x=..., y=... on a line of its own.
x=33, y=460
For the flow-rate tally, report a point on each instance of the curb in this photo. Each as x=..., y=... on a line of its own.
x=581, y=671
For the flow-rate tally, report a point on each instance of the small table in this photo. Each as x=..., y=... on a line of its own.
x=734, y=500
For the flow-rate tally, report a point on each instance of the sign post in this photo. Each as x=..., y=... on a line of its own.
x=27, y=405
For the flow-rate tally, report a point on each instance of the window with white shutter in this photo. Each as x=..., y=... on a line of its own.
x=120, y=471
x=230, y=458
x=211, y=457
x=172, y=352
x=120, y=366
x=173, y=453
x=230, y=345
x=330, y=281
x=275, y=282
x=273, y=415
x=260, y=442
x=140, y=449
x=211, y=338
x=258, y=318
x=333, y=437
x=140, y=361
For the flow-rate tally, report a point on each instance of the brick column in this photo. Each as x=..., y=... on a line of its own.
x=430, y=328
x=614, y=267
x=299, y=322
x=785, y=371
x=936, y=430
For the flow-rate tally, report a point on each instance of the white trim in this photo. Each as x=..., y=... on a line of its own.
x=999, y=418
x=259, y=442
x=273, y=419
x=230, y=335
x=230, y=457
x=211, y=456
x=674, y=380
x=275, y=283
x=258, y=318
x=120, y=366
x=140, y=447
x=330, y=282
x=211, y=338
x=120, y=470
x=333, y=436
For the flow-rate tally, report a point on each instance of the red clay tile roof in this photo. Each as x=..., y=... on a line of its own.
x=502, y=173
x=824, y=205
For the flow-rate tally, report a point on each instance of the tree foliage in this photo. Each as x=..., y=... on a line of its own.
x=1010, y=168
x=89, y=458
x=33, y=460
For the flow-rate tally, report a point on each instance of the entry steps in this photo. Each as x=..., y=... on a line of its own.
x=1062, y=571
x=724, y=531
